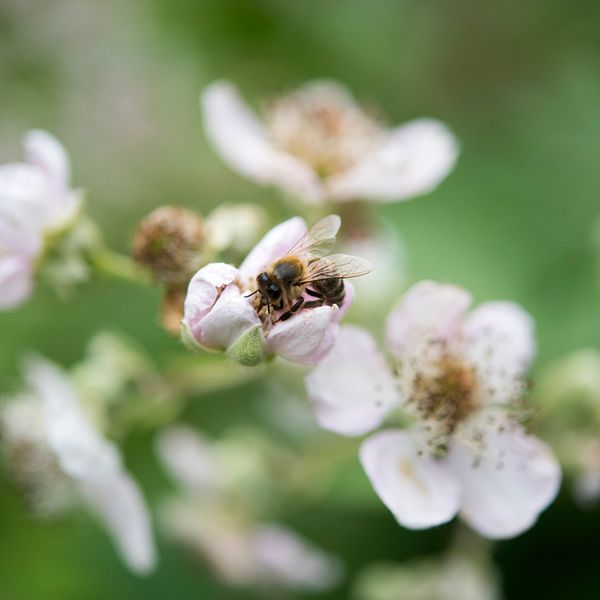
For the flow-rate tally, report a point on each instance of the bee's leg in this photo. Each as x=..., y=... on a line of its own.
x=314, y=293
x=314, y=303
x=293, y=309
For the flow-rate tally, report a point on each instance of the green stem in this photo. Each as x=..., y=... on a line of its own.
x=118, y=266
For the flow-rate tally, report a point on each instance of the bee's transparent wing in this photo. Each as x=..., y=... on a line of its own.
x=319, y=239
x=337, y=266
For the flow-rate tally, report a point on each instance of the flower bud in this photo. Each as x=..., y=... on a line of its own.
x=170, y=243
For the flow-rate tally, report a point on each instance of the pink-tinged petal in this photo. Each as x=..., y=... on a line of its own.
x=284, y=559
x=352, y=388
x=429, y=312
x=45, y=152
x=411, y=160
x=18, y=239
x=188, y=457
x=16, y=281
x=275, y=244
x=25, y=196
x=116, y=500
x=507, y=483
x=94, y=463
x=204, y=289
x=499, y=342
x=418, y=489
x=231, y=316
x=307, y=337
x=241, y=140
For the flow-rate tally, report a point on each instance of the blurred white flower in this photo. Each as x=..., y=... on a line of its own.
x=220, y=315
x=450, y=578
x=35, y=202
x=48, y=428
x=207, y=518
x=457, y=377
x=319, y=145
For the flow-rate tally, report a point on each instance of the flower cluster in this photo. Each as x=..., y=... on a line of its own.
x=457, y=377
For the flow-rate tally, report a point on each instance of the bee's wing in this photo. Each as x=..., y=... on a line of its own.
x=337, y=266
x=319, y=239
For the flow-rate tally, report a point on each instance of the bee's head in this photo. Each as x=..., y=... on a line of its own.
x=268, y=287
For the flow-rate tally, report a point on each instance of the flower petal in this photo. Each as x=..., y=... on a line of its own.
x=274, y=245
x=47, y=153
x=500, y=344
x=94, y=463
x=428, y=312
x=117, y=501
x=306, y=337
x=419, y=490
x=506, y=488
x=230, y=317
x=16, y=281
x=352, y=388
x=242, y=142
x=412, y=160
x=284, y=558
x=188, y=458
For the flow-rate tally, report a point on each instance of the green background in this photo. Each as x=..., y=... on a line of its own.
x=518, y=82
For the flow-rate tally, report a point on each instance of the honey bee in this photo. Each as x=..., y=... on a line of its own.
x=306, y=269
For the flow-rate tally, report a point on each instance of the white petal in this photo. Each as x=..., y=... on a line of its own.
x=47, y=153
x=500, y=343
x=94, y=463
x=16, y=281
x=188, y=457
x=428, y=312
x=284, y=558
x=79, y=447
x=420, y=491
x=230, y=317
x=242, y=142
x=352, y=388
x=25, y=196
x=307, y=337
x=507, y=484
x=412, y=160
x=275, y=244
x=117, y=501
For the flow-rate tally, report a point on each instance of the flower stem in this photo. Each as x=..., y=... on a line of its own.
x=118, y=266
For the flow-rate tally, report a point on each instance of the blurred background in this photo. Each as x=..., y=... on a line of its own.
x=118, y=83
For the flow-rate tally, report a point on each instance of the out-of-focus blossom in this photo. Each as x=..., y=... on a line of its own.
x=448, y=578
x=319, y=145
x=58, y=456
x=220, y=315
x=457, y=377
x=568, y=396
x=36, y=202
x=235, y=228
x=212, y=518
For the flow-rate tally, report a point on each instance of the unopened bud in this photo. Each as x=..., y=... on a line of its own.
x=170, y=243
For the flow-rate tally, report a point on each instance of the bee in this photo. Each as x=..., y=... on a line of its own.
x=307, y=269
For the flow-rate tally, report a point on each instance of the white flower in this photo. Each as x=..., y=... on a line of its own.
x=220, y=315
x=35, y=200
x=57, y=430
x=457, y=376
x=241, y=549
x=316, y=143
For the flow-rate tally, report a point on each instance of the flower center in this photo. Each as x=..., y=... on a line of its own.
x=323, y=128
x=445, y=397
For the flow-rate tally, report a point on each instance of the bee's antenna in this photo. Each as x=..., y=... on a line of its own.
x=252, y=294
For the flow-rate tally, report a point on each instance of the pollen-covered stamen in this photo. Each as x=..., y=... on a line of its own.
x=323, y=128
x=444, y=397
